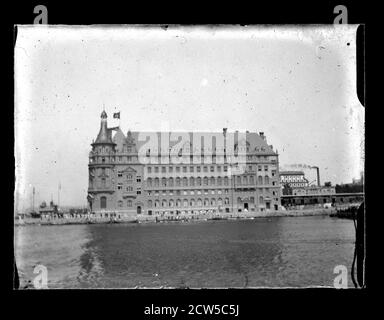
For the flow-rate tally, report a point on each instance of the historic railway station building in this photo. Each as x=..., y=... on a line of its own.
x=129, y=175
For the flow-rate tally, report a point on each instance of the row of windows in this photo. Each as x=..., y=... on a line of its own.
x=240, y=180
x=198, y=192
x=185, y=169
x=186, y=192
x=188, y=203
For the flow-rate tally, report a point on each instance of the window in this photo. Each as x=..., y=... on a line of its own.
x=138, y=192
x=103, y=182
x=129, y=176
x=184, y=169
x=149, y=170
x=225, y=168
x=162, y=169
x=138, y=179
x=156, y=169
x=170, y=169
x=130, y=189
x=191, y=169
x=120, y=203
x=129, y=203
x=198, y=169
x=265, y=168
x=177, y=169
x=218, y=168
x=120, y=186
x=258, y=168
x=205, y=169
x=103, y=202
x=212, y=168
x=149, y=182
x=119, y=174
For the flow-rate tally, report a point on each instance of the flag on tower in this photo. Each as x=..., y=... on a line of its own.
x=116, y=115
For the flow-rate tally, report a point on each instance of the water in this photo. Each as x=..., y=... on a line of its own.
x=272, y=252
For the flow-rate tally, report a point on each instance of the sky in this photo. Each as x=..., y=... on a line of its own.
x=297, y=84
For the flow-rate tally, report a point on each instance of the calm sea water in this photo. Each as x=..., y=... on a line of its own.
x=272, y=252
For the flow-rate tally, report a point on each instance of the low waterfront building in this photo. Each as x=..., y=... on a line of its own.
x=180, y=172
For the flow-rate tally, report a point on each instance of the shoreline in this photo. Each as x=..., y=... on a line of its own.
x=168, y=219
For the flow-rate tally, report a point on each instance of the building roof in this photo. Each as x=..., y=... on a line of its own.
x=255, y=143
x=291, y=173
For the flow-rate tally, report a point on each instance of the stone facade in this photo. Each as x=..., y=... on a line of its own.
x=131, y=176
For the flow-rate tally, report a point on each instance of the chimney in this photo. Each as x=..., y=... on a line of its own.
x=225, y=131
x=318, y=175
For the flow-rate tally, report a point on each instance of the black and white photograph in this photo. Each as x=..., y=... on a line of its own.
x=188, y=156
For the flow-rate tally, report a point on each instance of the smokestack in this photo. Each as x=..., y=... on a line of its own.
x=318, y=175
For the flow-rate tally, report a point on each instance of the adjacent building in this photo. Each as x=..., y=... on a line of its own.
x=157, y=173
x=294, y=179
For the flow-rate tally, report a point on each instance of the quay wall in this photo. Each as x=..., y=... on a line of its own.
x=87, y=219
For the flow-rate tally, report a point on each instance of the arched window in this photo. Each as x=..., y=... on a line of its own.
x=185, y=203
x=225, y=181
x=120, y=203
x=219, y=181
x=177, y=182
x=149, y=182
x=192, y=202
x=212, y=181
x=260, y=180
x=206, y=202
x=149, y=203
x=156, y=182
x=226, y=201
x=171, y=203
x=129, y=203
x=266, y=181
x=205, y=181
x=198, y=181
x=157, y=203
x=103, y=202
x=178, y=203
x=170, y=182
x=164, y=203
x=163, y=182
x=245, y=180
x=261, y=200
x=219, y=202
x=185, y=182
x=199, y=202
x=251, y=180
x=238, y=180
x=213, y=202
x=191, y=181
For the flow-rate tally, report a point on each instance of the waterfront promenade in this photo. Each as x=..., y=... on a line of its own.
x=89, y=219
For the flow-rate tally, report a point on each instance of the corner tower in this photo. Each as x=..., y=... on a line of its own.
x=100, y=168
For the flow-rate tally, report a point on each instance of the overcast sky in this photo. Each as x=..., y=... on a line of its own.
x=296, y=84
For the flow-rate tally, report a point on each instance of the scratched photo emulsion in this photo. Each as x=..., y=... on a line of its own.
x=187, y=157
